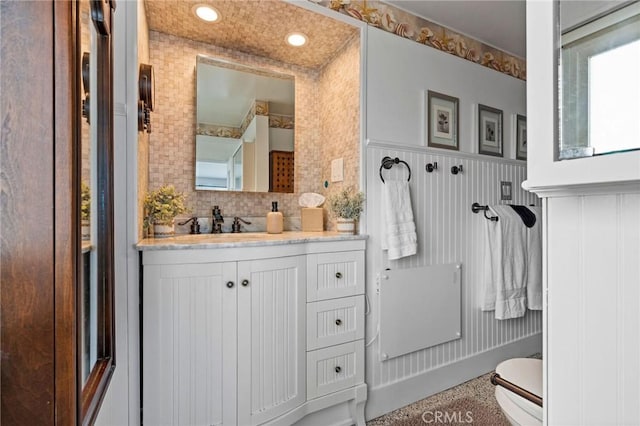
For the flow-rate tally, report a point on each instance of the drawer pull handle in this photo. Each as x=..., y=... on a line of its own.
x=338, y=321
x=230, y=284
x=245, y=283
x=338, y=369
x=338, y=275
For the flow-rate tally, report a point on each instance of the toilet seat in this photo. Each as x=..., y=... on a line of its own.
x=526, y=373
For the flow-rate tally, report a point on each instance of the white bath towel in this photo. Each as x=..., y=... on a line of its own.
x=534, y=262
x=398, y=228
x=505, y=267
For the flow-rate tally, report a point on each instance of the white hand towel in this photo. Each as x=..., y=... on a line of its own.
x=398, y=228
x=534, y=262
x=505, y=265
x=491, y=261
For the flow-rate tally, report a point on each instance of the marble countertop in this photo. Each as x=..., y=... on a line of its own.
x=246, y=239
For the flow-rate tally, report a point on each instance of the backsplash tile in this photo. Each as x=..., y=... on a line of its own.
x=258, y=224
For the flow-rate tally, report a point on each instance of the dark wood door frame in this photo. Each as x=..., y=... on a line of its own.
x=28, y=225
x=39, y=202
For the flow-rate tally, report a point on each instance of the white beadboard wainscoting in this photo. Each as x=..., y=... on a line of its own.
x=448, y=232
x=593, y=324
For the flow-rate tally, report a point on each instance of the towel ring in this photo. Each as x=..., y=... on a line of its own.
x=388, y=162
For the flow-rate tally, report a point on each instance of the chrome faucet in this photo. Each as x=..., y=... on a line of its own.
x=218, y=220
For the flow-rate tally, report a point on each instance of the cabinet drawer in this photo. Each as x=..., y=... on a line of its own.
x=333, y=275
x=335, y=368
x=335, y=321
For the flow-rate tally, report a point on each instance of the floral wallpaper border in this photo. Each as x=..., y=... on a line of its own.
x=218, y=131
x=278, y=121
x=404, y=24
x=257, y=108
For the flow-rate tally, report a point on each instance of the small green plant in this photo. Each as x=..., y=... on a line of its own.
x=163, y=205
x=347, y=203
x=85, y=201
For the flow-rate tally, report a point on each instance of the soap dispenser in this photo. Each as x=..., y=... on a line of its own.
x=275, y=220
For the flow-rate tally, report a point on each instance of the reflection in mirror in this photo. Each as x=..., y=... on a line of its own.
x=88, y=307
x=94, y=205
x=245, y=128
x=599, y=89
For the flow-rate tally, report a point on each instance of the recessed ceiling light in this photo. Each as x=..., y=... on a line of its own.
x=206, y=13
x=296, y=39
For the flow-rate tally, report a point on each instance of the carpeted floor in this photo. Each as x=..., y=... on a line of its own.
x=471, y=403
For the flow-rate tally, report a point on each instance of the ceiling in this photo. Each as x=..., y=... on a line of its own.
x=499, y=23
x=254, y=27
x=259, y=27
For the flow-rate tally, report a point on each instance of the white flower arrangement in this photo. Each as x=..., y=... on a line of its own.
x=163, y=205
x=347, y=204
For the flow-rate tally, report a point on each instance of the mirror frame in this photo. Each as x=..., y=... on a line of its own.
x=92, y=392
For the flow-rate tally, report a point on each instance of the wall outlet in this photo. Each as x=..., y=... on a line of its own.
x=337, y=170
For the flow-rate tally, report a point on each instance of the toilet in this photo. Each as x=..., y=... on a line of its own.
x=527, y=374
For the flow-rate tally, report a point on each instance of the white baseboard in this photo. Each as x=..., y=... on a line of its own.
x=395, y=395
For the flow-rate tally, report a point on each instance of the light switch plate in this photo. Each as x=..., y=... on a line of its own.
x=505, y=191
x=337, y=170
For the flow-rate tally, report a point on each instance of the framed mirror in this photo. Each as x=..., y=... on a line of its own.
x=94, y=204
x=599, y=88
x=244, y=128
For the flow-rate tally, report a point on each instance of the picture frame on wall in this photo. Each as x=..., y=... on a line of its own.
x=521, y=137
x=490, y=140
x=442, y=121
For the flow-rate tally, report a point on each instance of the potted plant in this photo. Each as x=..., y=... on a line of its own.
x=161, y=208
x=85, y=211
x=346, y=207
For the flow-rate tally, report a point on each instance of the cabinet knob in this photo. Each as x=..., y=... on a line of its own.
x=245, y=283
x=338, y=321
x=338, y=369
x=338, y=275
x=230, y=284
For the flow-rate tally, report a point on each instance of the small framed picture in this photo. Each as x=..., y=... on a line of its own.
x=442, y=121
x=489, y=130
x=521, y=137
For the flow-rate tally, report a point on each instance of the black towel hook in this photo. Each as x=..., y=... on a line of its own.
x=388, y=162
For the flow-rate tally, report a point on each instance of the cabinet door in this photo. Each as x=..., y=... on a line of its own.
x=189, y=344
x=271, y=338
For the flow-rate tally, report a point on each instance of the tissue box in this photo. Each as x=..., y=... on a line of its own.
x=311, y=218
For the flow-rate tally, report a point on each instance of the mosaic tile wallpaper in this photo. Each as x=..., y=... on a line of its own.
x=332, y=94
x=143, y=137
x=339, y=86
x=85, y=40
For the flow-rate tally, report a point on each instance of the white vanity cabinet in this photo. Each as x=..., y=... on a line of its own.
x=230, y=335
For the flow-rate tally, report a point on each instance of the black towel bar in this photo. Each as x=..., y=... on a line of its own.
x=388, y=162
x=475, y=207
